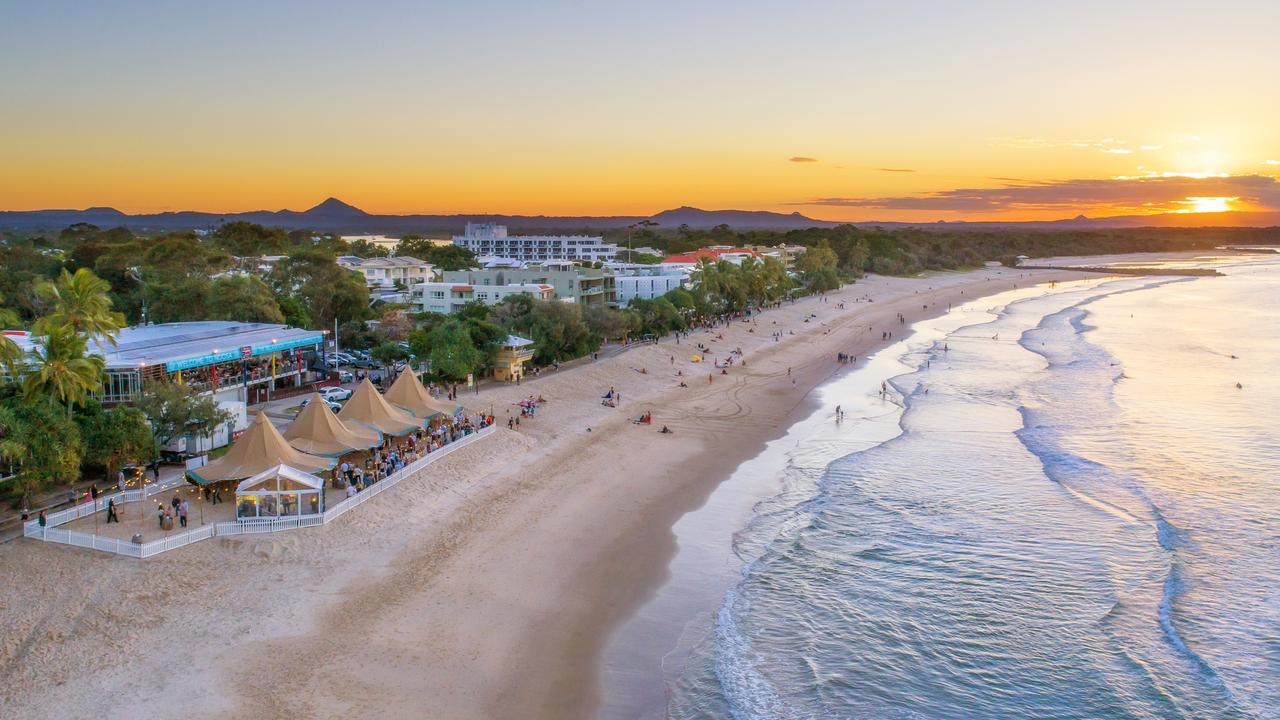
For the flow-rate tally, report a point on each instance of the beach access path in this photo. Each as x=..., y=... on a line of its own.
x=485, y=587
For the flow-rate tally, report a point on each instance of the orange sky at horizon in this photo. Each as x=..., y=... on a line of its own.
x=515, y=109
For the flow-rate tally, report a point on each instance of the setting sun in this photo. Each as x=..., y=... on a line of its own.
x=1208, y=204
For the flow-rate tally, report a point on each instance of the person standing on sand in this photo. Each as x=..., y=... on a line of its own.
x=182, y=512
x=111, y=511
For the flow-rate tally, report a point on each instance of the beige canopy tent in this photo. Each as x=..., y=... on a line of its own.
x=369, y=408
x=280, y=491
x=318, y=431
x=407, y=392
x=260, y=447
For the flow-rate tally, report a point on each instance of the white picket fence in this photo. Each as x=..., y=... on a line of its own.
x=52, y=533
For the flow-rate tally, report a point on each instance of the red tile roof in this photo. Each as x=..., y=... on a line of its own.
x=700, y=253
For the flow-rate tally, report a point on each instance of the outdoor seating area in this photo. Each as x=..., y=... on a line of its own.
x=266, y=481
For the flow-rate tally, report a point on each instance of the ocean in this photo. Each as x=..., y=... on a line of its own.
x=1051, y=503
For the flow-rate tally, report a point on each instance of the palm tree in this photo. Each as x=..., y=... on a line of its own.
x=10, y=353
x=82, y=303
x=62, y=371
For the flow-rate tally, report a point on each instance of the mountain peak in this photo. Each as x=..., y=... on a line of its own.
x=333, y=206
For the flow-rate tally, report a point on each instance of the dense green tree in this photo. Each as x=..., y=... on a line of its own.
x=294, y=312
x=388, y=353
x=326, y=290
x=113, y=438
x=609, y=324
x=246, y=239
x=445, y=256
x=365, y=249
x=244, y=298
x=42, y=443
x=453, y=353
x=178, y=300
x=174, y=410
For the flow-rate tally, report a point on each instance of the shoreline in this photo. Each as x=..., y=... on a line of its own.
x=531, y=590
x=668, y=628
x=486, y=588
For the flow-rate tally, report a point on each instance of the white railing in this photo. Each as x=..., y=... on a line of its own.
x=54, y=534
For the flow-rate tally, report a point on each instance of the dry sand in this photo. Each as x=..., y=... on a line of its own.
x=483, y=589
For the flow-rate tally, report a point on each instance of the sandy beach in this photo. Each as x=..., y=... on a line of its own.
x=485, y=588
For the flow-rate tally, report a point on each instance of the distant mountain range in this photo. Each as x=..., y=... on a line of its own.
x=333, y=215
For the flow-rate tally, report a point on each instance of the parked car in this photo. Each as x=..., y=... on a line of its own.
x=345, y=359
x=345, y=376
x=335, y=393
x=334, y=405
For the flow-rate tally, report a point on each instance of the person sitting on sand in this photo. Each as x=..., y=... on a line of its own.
x=666, y=430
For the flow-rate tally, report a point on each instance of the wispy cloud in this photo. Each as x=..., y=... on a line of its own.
x=1272, y=162
x=1109, y=145
x=802, y=159
x=1154, y=193
x=895, y=170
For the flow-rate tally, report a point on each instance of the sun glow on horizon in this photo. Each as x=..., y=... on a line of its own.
x=1207, y=205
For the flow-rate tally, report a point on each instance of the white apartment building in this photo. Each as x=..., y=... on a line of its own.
x=449, y=297
x=644, y=281
x=387, y=271
x=646, y=287
x=488, y=239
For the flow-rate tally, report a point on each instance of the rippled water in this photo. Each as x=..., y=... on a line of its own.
x=1074, y=514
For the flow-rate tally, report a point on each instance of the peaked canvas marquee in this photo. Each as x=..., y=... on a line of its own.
x=260, y=448
x=407, y=392
x=318, y=431
x=369, y=408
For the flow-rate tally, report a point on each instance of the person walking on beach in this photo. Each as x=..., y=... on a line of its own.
x=111, y=511
x=182, y=513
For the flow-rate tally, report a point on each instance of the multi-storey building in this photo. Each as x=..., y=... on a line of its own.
x=386, y=272
x=450, y=297
x=490, y=240
x=563, y=280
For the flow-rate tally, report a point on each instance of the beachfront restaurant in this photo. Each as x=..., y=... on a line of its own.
x=279, y=492
x=233, y=361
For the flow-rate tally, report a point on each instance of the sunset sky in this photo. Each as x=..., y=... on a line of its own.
x=840, y=110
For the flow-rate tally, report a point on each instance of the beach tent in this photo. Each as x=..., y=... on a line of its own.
x=369, y=408
x=318, y=431
x=279, y=491
x=260, y=448
x=407, y=392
